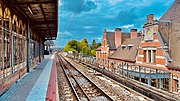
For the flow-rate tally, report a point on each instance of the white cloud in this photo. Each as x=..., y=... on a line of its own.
x=89, y=27
x=113, y=2
x=98, y=39
x=89, y=32
x=60, y=3
x=128, y=26
x=110, y=29
x=65, y=34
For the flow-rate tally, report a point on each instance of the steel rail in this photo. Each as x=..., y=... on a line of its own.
x=67, y=77
x=105, y=94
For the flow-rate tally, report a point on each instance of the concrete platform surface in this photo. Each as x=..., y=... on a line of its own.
x=33, y=86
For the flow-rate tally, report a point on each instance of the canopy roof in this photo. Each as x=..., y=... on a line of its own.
x=42, y=15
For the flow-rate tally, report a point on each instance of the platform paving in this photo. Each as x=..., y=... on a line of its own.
x=33, y=86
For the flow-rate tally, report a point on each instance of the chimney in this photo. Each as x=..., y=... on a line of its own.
x=133, y=33
x=118, y=36
x=150, y=17
x=105, y=30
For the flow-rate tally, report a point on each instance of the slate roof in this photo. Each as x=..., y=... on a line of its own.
x=172, y=36
x=111, y=38
x=127, y=54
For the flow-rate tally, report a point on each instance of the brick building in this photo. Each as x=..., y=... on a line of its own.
x=126, y=52
x=110, y=42
x=159, y=47
x=153, y=58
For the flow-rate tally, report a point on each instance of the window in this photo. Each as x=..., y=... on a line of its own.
x=123, y=47
x=6, y=45
x=150, y=56
x=144, y=53
x=153, y=56
x=130, y=46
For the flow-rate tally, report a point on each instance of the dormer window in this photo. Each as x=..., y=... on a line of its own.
x=123, y=47
x=130, y=46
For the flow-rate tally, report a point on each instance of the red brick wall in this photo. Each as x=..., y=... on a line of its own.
x=159, y=60
x=133, y=35
x=150, y=44
x=118, y=38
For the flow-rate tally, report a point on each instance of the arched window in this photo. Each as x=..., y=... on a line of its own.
x=7, y=20
x=24, y=45
x=20, y=49
x=15, y=41
x=1, y=40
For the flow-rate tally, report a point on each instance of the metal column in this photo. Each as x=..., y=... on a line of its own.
x=28, y=48
x=139, y=73
x=127, y=71
x=157, y=82
x=149, y=80
x=13, y=69
x=2, y=52
x=40, y=50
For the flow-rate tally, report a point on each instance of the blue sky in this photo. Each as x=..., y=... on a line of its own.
x=78, y=19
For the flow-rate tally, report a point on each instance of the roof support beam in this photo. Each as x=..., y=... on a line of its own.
x=45, y=19
x=32, y=2
x=42, y=22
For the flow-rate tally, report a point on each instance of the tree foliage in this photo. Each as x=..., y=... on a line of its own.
x=82, y=47
x=71, y=46
x=93, y=53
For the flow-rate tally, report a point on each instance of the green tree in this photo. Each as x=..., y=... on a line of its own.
x=93, y=52
x=98, y=45
x=84, y=46
x=87, y=51
x=71, y=46
x=67, y=47
x=93, y=45
x=79, y=47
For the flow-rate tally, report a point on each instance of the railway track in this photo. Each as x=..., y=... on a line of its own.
x=82, y=87
x=110, y=87
x=66, y=90
x=150, y=92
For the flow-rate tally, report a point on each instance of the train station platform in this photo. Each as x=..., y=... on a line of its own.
x=38, y=85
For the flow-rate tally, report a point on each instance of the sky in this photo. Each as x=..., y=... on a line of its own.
x=78, y=19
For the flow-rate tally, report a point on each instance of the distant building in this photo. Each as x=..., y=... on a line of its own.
x=126, y=52
x=48, y=46
x=110, y=42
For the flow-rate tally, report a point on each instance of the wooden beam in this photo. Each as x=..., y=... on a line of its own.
x=13, y=8
x=22, y=11
x=32, y=2
x=45, y=19
x=42, y=22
